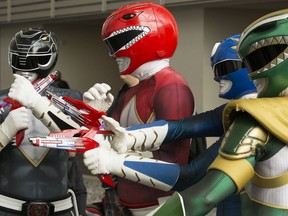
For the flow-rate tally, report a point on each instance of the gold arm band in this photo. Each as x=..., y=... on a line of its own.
x=271, y=182
x=240, y=171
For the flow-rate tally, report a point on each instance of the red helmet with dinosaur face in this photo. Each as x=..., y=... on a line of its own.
x=142, y=31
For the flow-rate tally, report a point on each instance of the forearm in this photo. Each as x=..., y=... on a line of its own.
x=52, y=117
x=193, y=172
x=202, y=197
x=162, y=175
x=150, y=172
x=153, y=172
x=207, y=124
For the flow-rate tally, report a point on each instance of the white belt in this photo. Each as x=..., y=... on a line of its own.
x=16, y=204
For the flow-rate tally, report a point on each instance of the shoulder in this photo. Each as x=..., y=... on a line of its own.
x=243, y=138
x=168, y=76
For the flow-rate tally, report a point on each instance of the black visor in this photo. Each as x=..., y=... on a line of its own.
x=30, y=63
x=263, y=56
x=118, y=41
x=226, y=67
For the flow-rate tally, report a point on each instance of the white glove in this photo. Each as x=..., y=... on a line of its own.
x=141, y=139
x=103, y=140
x=121, y=139
x=99, y=97
x=101, y=160
x=23, y=91
x=15, y=121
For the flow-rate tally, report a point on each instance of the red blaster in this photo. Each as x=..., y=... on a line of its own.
x=89, y=113
x=74, y=140
x=82, y=113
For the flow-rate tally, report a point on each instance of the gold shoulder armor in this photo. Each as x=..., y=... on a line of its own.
x=255, y=138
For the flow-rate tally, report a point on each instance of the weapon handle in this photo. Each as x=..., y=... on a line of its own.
x=105, y=178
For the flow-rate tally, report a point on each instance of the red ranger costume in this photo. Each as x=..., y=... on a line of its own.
x=160, y=97
x=141, y=38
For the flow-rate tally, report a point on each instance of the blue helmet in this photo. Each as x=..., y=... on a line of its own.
x=227, y=67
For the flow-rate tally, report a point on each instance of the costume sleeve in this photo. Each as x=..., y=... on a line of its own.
x=197, y=168
x=216, y=186
x=51, y=116
x=207, y=124
x=200, y=198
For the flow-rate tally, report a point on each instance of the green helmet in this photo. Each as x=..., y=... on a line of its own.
x=263, y=47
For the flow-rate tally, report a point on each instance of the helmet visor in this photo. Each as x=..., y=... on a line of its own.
x=227, y=67
x=29, y=63
x=261, y=57
x=121, y=41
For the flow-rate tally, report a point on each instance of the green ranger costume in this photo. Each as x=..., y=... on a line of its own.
x=253, y=158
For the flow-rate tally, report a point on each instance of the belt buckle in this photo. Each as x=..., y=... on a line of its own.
x=37, y=208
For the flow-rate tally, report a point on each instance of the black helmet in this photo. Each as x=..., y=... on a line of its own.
x=33, y=50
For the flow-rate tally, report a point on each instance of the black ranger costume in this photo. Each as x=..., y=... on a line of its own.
x=34, y=181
